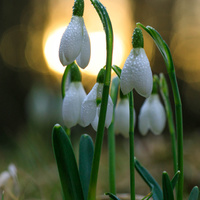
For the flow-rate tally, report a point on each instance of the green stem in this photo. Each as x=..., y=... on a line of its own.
x=111, y=137
x=111, y=147
x=100, y=130
x=179, y=129
x=169, y=113
x=131, y=145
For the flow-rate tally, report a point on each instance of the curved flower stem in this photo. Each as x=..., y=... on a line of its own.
x=164, y=50
x=100, y=130
x=131, y=145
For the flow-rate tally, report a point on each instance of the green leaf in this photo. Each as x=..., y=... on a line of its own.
x=67, y=166
x=194, y=194
x=117, y=70
x=112, y=196
x=151, y=182
x=86, y=151
x=167, y=187
x=175, y=179
x=161, y=44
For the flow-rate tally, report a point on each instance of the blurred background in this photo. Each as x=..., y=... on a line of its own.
x=30, y=77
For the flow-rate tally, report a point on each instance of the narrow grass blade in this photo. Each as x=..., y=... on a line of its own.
x=151, y=182
x=86, y=151
x=194, y=194
x=112, y=196
x=67, y=166
x=167, y=187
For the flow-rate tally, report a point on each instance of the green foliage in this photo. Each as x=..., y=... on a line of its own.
x=112, y=196
x=151, y=182
x=161, y=44
x=67, y=166
x=194, y=195
x=86, y=151
x=167, y=187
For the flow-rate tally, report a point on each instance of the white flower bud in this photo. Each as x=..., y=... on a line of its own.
x=121, y=124
x=136, y=73
x=72, y=101
x=75, y=43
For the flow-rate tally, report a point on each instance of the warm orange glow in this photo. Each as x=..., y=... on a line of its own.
x=98, y=51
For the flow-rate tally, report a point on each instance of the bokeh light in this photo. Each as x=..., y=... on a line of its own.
x=98, y=51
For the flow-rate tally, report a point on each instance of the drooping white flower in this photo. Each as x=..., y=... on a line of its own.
x=121, y=124
x=71, y=108
x=152, y=116
x=90, y=108
x=73, y=97
x=75, y=43
x=5, y=176
x=136, y=73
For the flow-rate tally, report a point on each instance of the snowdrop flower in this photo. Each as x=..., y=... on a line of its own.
x=75, y=42
x=5, y=176
x=136, y=72
x=152, y=116
x=121, y=124
x=90, y=108
x=74, y=96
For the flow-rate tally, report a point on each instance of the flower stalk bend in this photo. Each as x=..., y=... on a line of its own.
x=164, y=50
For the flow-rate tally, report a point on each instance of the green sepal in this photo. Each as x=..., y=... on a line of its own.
x=137, y=38
x=112, y=196
x=71, y=74
x=161, y=44
x=75, y=74
x=167, y=187
x=67, y=166
x=175, y=179
x=101, y=76
x=78, y=8
x=86, y=151
x=151, y=182
x=194, y=194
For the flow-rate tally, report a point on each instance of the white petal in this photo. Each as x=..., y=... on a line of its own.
x=95, y=121
x=126, y=80
x=143, y=118
x=12, y=170
x=88, y=107
x=71, y=41
x=122, y=117
x=137, y=73
x=157, y=117
x=82, y=96
x=71, y=106
x=84, y=56
x=4, y=177
x=109, y=112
